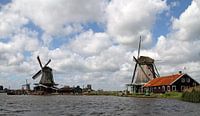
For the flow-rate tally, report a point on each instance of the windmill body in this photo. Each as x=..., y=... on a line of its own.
x=145, y=72
x=47, y=77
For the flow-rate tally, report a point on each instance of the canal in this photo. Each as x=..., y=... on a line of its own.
x=94, y=106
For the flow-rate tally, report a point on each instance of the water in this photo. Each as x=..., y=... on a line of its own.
x=94, y=106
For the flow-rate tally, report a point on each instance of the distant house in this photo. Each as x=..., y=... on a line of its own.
x=176, y=82
x=1, y=87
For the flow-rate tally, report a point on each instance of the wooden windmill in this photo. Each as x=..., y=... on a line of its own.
x=144, y=70
x=46, y=82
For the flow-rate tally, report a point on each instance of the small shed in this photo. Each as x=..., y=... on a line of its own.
x=176, y=82
x=1, y=87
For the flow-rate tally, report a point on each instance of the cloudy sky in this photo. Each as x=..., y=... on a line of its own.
x=93, y=41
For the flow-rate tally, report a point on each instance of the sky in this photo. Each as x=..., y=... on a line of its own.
x=94, y=41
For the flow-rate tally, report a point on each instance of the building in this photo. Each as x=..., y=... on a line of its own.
x=1, y=87
x=176, y=82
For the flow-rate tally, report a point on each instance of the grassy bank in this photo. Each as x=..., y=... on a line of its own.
x=174, y=95
x=192, y=95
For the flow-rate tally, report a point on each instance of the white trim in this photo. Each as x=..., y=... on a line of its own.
x=176, y=79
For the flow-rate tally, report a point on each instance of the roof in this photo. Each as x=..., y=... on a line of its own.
x=166, y=80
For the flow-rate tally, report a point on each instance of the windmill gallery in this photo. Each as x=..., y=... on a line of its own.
x=146, y=78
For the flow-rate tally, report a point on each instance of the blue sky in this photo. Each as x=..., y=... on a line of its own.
x=163, y=23
x=92, y=42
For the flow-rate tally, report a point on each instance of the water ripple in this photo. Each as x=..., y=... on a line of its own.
x=94, y=106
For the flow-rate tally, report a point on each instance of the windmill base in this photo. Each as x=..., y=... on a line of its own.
x=135, y=88
x=44, y=89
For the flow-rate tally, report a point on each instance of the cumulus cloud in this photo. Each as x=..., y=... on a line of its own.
x=57, y=16
x=179, y=50
x=127, y=20
x=8, y=20
x=103, y=59
x=90, y=43
x=187, y=26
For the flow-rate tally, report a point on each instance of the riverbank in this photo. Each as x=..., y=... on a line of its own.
x=169, y=95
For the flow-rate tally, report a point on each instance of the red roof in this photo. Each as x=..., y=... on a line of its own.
x=166, y=80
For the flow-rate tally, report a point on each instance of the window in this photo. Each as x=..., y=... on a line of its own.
x=194, y=84
x=163, y=87
x=154, y=87
x=151, y=89
x=188, y=80
x=183, y=80
x=168, y=88
x=182, y=88
x=173, y=87
x=158, y=87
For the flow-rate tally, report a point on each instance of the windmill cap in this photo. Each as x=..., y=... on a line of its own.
x=145, y=60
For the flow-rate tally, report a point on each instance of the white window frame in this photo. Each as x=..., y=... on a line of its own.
x=182, y=80
x=168, y=88
x=188, y=80
x=163, y=88
x=173, y=87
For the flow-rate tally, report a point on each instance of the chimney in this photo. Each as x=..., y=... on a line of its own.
x=180, y=72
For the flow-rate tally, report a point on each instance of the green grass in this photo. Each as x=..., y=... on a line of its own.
x=175, y=95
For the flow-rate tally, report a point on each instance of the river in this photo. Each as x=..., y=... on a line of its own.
x=65, y=105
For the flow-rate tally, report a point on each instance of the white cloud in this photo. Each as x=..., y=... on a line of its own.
x=10, y=22
x=180, y=48
x=90, y=43
x=56, y=16
x=187, y=26
x=129, y=19
x=103, y=59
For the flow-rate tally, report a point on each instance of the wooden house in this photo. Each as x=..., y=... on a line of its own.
x=176, y=82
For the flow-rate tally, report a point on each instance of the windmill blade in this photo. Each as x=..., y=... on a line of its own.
x=48, y=62
x=156, y=70
x=37, y=74
x=153, y=72
x=139, y=47
x=39, y=61
x=134, y=73
x=141, y=67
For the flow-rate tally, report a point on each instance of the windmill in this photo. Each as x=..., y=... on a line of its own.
x=46, y=82
x=27, y=86
x=144, y=71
